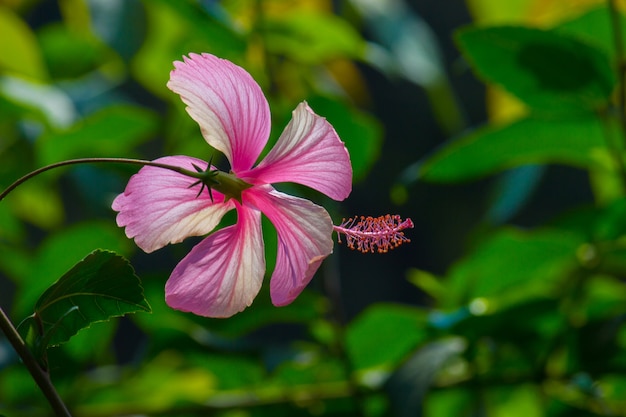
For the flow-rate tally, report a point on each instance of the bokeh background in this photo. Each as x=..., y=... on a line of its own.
x=483, y=313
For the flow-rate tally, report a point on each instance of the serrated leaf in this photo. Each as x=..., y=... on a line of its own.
x=548, y=70
x=574, y=141
x=101, y=286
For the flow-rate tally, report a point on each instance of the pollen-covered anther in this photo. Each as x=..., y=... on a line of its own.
x=374, y=234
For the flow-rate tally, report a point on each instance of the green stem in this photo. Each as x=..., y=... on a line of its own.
x=621, y=94
x=193, y=174
x=619, y=55
x=41, y=377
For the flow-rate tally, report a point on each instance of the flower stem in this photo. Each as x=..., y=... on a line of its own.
x=619, y=55
x=41, y=170
x=618, y=147
x=41, y=377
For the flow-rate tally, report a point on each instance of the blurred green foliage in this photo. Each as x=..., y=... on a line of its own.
x=529, y=321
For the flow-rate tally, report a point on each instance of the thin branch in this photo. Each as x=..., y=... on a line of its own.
x=619, y=55
x=41, y=377
x=99, y=160
x=617, y=146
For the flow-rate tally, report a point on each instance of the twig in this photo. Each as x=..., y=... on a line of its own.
x=41, y=377
x=41, y=170
x=621, y=94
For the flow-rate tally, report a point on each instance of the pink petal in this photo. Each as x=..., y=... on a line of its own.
x=304, y=240
x=308, y=152
x=158, y=208
x=227, y=103
x=223, y=273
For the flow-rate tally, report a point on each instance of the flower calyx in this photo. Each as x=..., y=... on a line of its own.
x=214, y=179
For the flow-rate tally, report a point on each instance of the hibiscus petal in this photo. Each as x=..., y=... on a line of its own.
x=308, y=152
x=304, y=240
x=227, y=103
x=223, y=273
x=158, y=207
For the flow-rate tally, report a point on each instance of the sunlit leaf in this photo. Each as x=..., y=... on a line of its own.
x=576, y=141
x=547, y=70
x=523, y=400
x=113, y=131
x=26, y=204
x=11, y=229
x=427, y=282
x=176, y=29
x=160, y=384
x=19, y=51
x=490, y=12
x=614, y=387
x=101, y=286
x=448, y=402
x=312, y=38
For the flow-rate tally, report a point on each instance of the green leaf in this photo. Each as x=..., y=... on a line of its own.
x=520, y=400
x=383, y=335
x=514, y=265
x=312, y=38
x=19, y=52
x=101, y=286
x=115, y=130
x=594, y=26
x=577, y=141
x=526, y=340
x=547, y=70
x=158, y=386
x=605, y=297
x=448, y=402
x=176, y=29
x=26, y=204
x=61, y=45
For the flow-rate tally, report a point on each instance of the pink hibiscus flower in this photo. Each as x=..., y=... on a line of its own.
x=223, y=273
